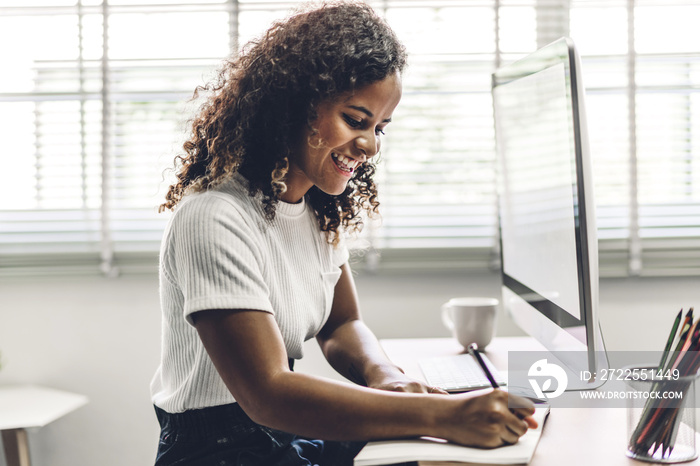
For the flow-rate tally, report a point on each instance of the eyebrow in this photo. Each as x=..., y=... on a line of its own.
x=367, y=112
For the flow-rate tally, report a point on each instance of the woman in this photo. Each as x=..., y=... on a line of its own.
x=277, y=169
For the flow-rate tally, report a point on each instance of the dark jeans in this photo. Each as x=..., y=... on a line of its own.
x=226, y=436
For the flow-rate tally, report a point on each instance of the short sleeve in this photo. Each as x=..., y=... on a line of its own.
x=218, y=260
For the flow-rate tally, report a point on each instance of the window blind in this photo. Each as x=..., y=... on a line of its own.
x=641, y=73
x=94, y=101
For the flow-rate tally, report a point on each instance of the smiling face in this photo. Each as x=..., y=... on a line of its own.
x=349, y=131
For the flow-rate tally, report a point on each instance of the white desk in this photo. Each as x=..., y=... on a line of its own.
x=24, y=407
x=571, y=436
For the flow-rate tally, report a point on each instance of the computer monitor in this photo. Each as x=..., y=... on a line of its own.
x=548, y=240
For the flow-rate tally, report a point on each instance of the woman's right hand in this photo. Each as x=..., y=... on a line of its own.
x=490, y=420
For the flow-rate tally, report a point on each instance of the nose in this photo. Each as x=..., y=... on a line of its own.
x=368, y=144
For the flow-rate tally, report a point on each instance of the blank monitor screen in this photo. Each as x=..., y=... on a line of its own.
x=549, y=254
x=537, y=221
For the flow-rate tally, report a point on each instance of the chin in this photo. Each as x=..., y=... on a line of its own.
x=333, y=192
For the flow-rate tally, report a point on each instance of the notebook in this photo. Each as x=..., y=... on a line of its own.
x=428, y=451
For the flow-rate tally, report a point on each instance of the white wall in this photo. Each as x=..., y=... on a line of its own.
x=101, y=337
x=89, y=335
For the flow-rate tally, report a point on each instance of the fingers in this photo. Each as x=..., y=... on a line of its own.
x=510, y=423
x=407, y=386
x=437, y=390
x=510, y=437
x=410, y=386
x=526, y=415
x=519, y=403
x=516, y=425
x=531, y=423
x=488, y=420
x=523, y=409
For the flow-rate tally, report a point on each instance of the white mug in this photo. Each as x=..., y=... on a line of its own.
x=471, y=319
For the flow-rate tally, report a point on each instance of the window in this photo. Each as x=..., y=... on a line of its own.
x=93, y=110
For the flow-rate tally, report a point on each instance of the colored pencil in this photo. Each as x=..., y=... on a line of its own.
x=659, y=423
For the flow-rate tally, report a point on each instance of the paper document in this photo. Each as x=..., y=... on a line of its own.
x=427, y=449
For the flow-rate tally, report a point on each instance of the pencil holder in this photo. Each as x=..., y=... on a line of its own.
x=660, y=415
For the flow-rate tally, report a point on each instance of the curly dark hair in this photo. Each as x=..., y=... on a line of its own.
x=263, y=98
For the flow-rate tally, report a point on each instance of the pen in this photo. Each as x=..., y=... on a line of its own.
x=474, y=351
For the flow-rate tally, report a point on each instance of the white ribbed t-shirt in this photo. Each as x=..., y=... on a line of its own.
x=219, y=252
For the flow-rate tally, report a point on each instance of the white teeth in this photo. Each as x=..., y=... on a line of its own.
x=346, y=162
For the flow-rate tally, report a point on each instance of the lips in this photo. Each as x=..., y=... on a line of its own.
x=345, y=164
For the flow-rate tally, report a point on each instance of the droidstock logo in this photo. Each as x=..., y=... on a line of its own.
x=542, y=370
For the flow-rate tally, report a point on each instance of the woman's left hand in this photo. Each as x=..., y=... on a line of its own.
x=397, y=381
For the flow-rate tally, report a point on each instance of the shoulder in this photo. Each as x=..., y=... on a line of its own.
x=214, y=219
x=228, y=202
x=216, y=224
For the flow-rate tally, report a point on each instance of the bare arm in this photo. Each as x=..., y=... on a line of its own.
x=247, y=349
x=353, y=350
